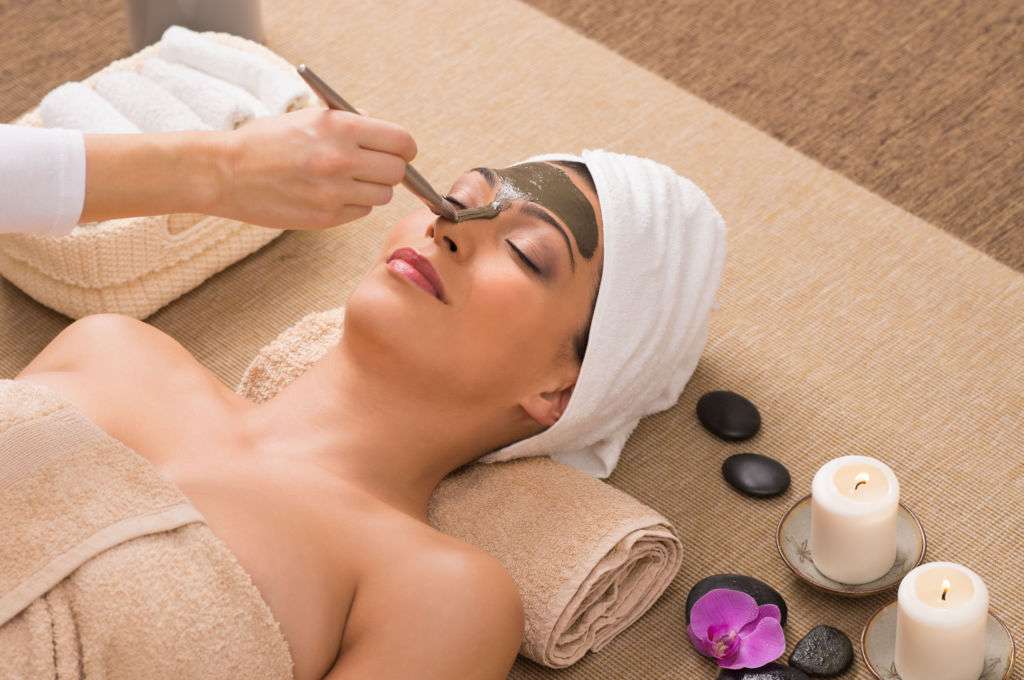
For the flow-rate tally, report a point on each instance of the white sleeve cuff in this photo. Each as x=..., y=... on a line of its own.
x=42, y=179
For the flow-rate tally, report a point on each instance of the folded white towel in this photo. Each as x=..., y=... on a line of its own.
x=280, y=89
x=664, y=250
x=145, y=103
x=220, y=104
x=76, y=106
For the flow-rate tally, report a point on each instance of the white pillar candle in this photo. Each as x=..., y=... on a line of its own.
x=940, y=623
x=854, y=501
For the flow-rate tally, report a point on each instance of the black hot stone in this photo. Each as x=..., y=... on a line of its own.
x=823, y=651
x=771, y=671
x=755, y=475
x=728, y=415
x=759, y=590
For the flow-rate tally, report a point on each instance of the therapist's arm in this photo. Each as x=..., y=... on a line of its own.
x=155, y=173
x=307, y=169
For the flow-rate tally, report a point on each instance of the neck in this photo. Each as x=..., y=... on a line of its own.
x=386, y=437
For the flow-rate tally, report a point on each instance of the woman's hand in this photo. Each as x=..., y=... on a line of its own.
x=310, y=169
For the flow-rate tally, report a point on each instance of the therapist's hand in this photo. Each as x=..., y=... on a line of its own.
x=309, y=169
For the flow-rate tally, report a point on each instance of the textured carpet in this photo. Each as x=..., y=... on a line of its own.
x=855, y=326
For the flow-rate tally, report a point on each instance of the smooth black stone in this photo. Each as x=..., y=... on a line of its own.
x=771, y=671
x=728, y=415
x=757, y=589
x=755, y=474
x=823, y=651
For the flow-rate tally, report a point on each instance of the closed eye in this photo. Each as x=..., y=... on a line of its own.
x=458, y=204
x=525, y=259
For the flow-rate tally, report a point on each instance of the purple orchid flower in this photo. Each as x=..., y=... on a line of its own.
x=730, y=627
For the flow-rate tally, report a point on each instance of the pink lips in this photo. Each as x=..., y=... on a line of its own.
x=416, y=268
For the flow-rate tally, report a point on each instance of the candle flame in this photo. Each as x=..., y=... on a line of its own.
x=862, y=478
x=945, y=588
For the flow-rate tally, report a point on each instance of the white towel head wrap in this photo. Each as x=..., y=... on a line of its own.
x=664, y=250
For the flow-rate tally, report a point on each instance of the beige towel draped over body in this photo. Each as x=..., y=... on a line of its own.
x=106, y=569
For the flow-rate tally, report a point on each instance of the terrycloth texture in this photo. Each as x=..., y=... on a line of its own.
x=218, y=103
x=589, y=559
x=280, y=89
x=136, y=265
x=855, y=326
x=108, y=571
x=143, y=102
x=77, y=106
x=664, y=249
x=42, y=179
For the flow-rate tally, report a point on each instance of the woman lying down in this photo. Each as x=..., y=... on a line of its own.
x=549, y=329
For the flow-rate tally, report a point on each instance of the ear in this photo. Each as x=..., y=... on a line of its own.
x=547, y=407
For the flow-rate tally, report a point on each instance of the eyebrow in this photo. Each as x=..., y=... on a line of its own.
x=488, y=174
x=534, y=210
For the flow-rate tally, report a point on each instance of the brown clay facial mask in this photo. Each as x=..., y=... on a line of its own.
x=552, y=188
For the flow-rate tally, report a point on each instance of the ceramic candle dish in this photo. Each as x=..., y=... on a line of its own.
x=878, y=646
x=793, y=536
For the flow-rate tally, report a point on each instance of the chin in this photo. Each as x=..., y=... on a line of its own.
x=401, y=324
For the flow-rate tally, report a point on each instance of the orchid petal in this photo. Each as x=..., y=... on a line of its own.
x=701, y=643
x=723, y=606
x=769, y=611
x=765, y=643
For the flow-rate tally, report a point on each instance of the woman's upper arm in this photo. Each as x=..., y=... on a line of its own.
x=457, y=618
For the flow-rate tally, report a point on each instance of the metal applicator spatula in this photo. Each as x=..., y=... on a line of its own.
x=413, y=181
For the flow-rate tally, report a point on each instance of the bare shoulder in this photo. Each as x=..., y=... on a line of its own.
x=462, y=578
x=112, y=365
x=447, y=610
x=99, y=339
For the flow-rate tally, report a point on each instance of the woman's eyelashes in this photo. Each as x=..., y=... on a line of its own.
x=524, y=258
x=458, y=204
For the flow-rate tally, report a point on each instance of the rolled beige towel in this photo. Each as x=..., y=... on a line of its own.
x=589, y=559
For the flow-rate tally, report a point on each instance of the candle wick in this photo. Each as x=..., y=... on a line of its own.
x=943, y=595
x=857, y=485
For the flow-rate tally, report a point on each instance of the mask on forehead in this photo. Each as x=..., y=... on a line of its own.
x=552, y=188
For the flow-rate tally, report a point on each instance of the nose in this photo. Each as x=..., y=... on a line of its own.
x=446, y=234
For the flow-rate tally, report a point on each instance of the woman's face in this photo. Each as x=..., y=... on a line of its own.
x=501, y=334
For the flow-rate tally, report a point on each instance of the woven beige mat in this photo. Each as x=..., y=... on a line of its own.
x=855, y=326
